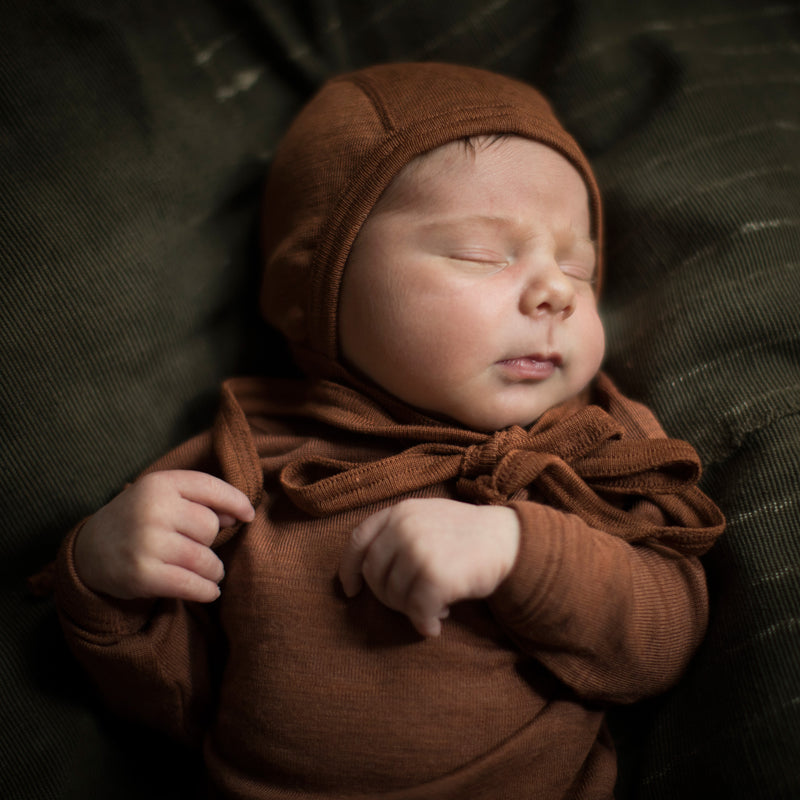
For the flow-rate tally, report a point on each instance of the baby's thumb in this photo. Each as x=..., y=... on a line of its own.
x=227, y=520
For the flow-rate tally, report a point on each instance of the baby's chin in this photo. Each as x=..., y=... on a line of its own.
x=489, y=422
x=506, y=415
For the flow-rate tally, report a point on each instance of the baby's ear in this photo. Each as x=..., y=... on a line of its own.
x=292, y=323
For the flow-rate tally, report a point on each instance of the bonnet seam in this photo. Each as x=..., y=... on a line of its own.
x=377, y=103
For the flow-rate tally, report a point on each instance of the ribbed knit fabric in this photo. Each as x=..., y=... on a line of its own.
x=326, y=697
x=578, y=459
x=321, y=696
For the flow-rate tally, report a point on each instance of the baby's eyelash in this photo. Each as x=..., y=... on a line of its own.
x=478, y=256
x=580, y=274
x=480, y=259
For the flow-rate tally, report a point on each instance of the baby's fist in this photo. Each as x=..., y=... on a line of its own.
x=420, y=556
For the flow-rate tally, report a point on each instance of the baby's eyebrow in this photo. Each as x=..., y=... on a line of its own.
x=585, y=240
x=569, y=236
x=469, y=220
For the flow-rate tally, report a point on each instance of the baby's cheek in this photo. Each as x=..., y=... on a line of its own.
x=588, y=339
x=599, y=336
x=596, y=344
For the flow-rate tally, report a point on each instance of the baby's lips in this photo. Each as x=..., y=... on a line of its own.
x=554, y=358
x=532, y=367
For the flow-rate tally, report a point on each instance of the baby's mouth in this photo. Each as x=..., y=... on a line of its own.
x=535, y=366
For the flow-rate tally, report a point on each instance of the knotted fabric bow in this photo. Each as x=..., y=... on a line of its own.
x=596, y=462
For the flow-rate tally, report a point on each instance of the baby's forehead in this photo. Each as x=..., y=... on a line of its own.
x=434, y=164
x=436, y=173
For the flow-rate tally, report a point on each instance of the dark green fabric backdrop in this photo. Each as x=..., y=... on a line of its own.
x=134, y=138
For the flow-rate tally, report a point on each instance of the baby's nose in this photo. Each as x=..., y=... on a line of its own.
x=550, y=292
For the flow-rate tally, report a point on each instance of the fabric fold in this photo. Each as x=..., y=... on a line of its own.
x=595, y=458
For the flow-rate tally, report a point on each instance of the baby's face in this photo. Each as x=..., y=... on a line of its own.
x=469, y=290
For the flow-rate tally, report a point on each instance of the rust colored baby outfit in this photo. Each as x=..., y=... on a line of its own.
x=295, y=691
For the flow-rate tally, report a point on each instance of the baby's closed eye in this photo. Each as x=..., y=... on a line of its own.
x=479, y=258
x=579, y=260
x=583, y=272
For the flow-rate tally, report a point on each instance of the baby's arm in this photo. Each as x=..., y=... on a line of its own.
x=613, y=621
x=153, y=539
x=120, y=578
x=420, y=556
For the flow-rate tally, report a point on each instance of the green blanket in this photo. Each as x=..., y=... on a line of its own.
x=134, y=138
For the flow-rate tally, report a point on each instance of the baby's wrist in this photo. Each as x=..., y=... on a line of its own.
x=79, y=555
x=508, y=531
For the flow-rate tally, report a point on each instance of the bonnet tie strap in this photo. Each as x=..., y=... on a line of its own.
x=577, y=464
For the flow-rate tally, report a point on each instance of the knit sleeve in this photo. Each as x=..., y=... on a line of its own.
x=614, y=621
x=152, y=660
x=149, y=659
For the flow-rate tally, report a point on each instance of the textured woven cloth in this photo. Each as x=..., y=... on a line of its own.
x=136, y=138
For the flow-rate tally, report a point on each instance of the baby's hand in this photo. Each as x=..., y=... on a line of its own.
x=153, y=539
x=420, y=556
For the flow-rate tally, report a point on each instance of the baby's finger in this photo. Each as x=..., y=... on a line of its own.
x=182, y=584
x=216, y=494
x=427, y=626
x=426, y=608
x=352, y=561
x=180, y=551
x=196, y=521
x=391, y=573
x=226, y=520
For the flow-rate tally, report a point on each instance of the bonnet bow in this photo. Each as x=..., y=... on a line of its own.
x=581, y=462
